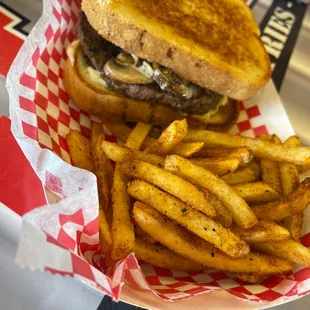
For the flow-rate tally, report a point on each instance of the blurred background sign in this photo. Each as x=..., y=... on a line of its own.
x=279, y=32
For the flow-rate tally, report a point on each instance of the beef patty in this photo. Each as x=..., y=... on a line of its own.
x=98, y=51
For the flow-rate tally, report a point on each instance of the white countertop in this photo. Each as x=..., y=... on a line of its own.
x=25, y=289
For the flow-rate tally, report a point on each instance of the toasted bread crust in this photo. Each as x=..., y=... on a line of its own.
x=219, y=76
x=105, y=104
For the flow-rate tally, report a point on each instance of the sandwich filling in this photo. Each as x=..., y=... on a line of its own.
x=136, y=78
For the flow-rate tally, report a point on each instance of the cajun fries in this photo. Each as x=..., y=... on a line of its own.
x=122, y=229
x=169, y=139
x=289, y=249
x=181, y=241
x=122, y=131
x=242, y=153
x=256, y=169
x=263, y=231
x=119, y=153
x=192, y=189
x=82, y=158
x=289, y=172
x=290, y=181
x=258, y=192
x=172, y=184
x=79, y=150
x=103, y=171
x=105, y=237
x=187, y=149
x=138, y=135
x=241, y=212
x=118, y=128
x=294, y=203
x=270, y=169
x=259, y=148
x=218, y=166
x=223, y=215
x=293, y=224
x=160, y=256
x=96, y=132
x=143, y=235
x=243, y=175
x=188, y=217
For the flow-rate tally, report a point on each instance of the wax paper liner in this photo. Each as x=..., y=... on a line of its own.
x=63, y=238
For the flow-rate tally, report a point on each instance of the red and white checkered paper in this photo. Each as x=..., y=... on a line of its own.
x=63, y=238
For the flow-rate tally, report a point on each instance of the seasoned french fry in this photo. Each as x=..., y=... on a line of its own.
x=187, y=149
x=292, y=141
x=81, y=157
x=138, y=135
x=263, y=231
x=270, y=169
x=218, y=166
x=259, y=148
x=170, y=183
x=169, y=139
x=108, y=212
x=96, y=131
x=294, y=203
x=79, y=151
x=105, y=237
x=122, y=131
x=289, y=172
x=279, y=210
x=289, y=249
x=103, y=171
x=241, y=153
x=256, y=169
x=253, y=278
x=118, y=128
x=120, y=153
x=276, y=139
x=143, y=235
x=188, y=217
x=293, y=224
x=240, y=176
x=184, y=243
x=303, y=169
x=158, y=255
x=258, y=192
x=223, y=215
x=122, y=229
x=241, y=212
x=290, y=181
x=184, y=149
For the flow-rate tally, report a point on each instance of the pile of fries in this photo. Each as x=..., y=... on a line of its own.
x=196, y=199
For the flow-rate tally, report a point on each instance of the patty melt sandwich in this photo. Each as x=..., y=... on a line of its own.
x=158, y=61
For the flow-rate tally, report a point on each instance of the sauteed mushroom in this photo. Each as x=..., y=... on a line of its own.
x=169, y=81
x=123, y=69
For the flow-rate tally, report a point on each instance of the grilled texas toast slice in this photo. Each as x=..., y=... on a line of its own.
x=214, y=44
